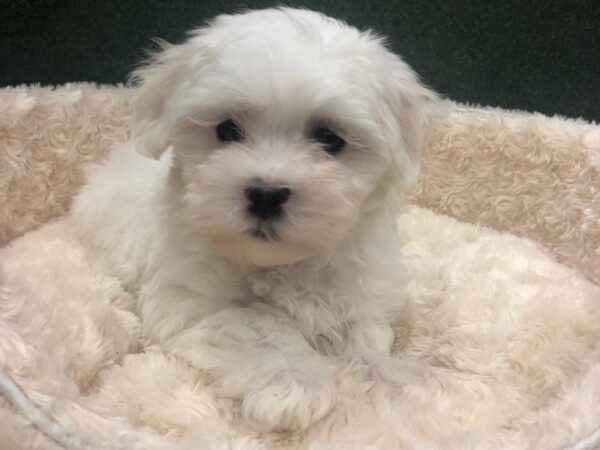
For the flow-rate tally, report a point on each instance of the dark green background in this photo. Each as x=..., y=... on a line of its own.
x=534, y=55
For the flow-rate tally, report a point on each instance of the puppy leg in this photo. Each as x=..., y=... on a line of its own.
x=282, y=382
x=368, y=352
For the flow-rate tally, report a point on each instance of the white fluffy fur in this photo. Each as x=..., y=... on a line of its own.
x=260, y=315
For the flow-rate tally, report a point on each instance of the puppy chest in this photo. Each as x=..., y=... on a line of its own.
x=314, y=312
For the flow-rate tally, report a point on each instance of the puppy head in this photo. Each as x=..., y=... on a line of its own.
x=287, y=128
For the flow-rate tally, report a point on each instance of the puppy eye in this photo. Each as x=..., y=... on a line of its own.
x=331, y=142
x=229, y=131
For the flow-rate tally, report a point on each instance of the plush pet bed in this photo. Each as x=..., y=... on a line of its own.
x=505, y=294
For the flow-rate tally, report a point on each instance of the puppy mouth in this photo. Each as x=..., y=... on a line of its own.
x=264, y=232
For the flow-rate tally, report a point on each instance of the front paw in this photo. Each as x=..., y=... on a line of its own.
x=379, y=370
x=289, y=401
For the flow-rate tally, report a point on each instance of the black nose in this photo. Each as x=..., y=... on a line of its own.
x=265, y=202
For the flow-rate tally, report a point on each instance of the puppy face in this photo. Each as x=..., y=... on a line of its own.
x=287, y=128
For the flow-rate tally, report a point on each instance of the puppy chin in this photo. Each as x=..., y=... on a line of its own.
x=259, y=252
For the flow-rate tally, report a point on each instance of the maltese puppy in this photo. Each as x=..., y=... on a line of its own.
x=254, y=215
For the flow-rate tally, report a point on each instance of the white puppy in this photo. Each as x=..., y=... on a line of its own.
x=264, y=238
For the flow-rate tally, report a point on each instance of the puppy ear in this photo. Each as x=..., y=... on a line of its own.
x=412, y=106
x=156, y=83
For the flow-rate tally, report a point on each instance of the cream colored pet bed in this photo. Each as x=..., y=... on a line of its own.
x=506, y=314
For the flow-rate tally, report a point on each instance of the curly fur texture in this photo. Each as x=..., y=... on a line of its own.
x=535, y=176
x=45, y=137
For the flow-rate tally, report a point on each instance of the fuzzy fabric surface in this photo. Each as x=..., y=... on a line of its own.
x=507, y=326
x=532, y=175
x=45, y=137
